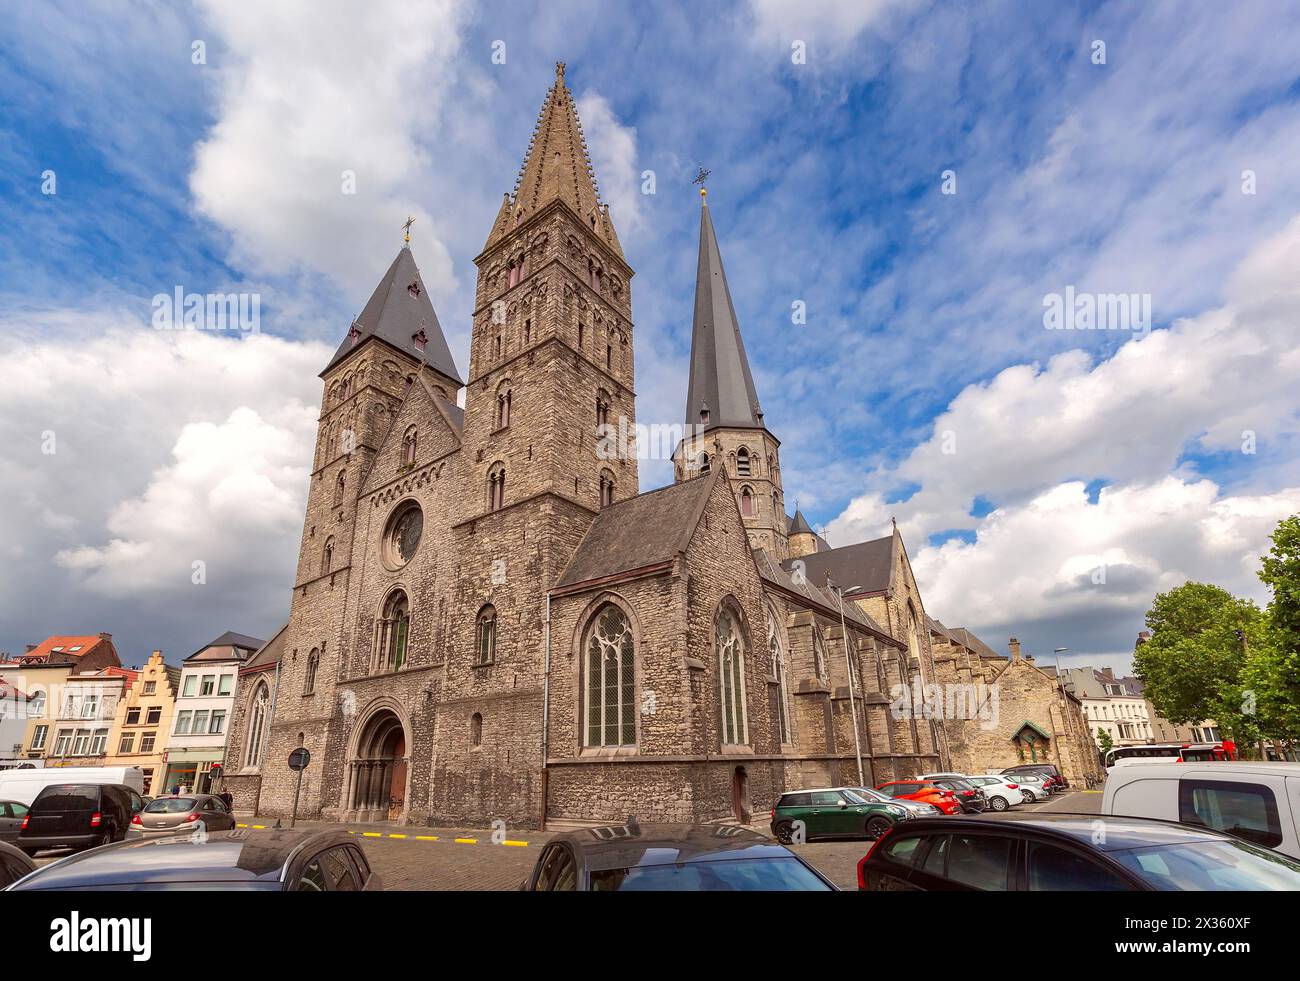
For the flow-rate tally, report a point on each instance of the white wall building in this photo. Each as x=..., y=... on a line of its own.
x=204, y=707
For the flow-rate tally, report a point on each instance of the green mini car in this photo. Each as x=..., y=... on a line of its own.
x=835, y=812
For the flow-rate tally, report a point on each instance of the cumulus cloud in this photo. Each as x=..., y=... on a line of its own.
x=1031, y=440
x=127, y=454
x=309, y=93
x=612, y=147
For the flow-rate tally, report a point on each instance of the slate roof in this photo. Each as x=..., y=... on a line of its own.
x=230, y=646
x=269, y=655
x=867, y=565
x=640, y=531
x=798, y=525
x=778, y=575
x=720, y=379
x=968, y=639
x=396, y=313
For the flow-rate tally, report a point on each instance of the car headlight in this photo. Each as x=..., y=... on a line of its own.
x=897, y=811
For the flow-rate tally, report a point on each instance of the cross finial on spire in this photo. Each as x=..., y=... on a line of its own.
x=559, y=72
x=406, y=225
x=700, y=178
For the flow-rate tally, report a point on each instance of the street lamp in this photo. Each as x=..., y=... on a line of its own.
x=848, y=667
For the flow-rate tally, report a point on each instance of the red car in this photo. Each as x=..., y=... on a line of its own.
x=923, y=791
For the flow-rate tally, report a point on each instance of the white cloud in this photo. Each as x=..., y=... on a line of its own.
x=836, y=22
x=309, y=90
x=612, y=147
x=169, y=447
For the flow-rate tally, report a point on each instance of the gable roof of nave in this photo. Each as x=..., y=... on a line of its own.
x=801, y=590
x=421, y=405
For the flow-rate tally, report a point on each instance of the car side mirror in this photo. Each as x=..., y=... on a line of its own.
x=843, y=803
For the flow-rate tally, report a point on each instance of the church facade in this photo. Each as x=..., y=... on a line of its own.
x=491, y=621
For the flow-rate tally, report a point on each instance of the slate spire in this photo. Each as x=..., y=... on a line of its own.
x=556, y=166
x=721, y=391
x=400, y=313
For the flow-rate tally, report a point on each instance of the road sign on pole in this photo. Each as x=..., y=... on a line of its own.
x=298, y=760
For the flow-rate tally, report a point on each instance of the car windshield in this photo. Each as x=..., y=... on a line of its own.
x=739, y=875
x=171, y=805
x=867, y=794
x=1212, y=866
x=855, y=796
x=68, y=797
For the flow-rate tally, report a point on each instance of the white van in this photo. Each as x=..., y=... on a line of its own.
x=1258, y=802
x=24, y=785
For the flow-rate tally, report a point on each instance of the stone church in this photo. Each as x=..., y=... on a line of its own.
x=490, y=620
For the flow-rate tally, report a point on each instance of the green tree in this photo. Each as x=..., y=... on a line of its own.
x=1192, y=665
x=1104, y=740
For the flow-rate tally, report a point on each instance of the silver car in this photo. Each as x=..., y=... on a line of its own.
x=182, y=815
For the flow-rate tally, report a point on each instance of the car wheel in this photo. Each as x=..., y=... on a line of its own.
x=784, y=831
x=877, y=826
x=998, y=803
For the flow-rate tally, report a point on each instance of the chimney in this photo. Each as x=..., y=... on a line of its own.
x=104, y=636
x=1143, y=637
x=1013, y=645
x=30, y=648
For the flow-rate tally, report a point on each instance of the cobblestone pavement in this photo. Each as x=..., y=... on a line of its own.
x=417, y=858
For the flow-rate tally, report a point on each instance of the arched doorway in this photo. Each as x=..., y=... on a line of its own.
x=376, y=778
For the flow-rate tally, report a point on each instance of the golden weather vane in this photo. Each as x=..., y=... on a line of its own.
x=700, y=178
x=406, y=225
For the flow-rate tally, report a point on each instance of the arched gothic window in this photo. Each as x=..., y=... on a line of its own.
x=742, y=462
x=485, y=636
x=341, y=487
x=393, y=632
x=611, y=679
x=504, y=398
x=731, y=672
x=819, y=654
x=747, y=502
x=258, y=717
x=704, y=463
x=775, y=644
x=497, y=487
x=606, y=488
x=327, y=557
x=408, y=446
x=475, y=731
x=313, y=662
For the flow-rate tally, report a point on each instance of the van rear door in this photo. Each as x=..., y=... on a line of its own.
x=64, y=808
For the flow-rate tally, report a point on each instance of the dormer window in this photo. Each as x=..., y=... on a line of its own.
x=413, y=288
x=354, y=334
x=420, y=338
x=704, y=414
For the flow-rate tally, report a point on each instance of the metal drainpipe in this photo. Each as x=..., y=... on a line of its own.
x=546, y=704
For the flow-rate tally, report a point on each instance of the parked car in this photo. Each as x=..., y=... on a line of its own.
x=25, y=786
x=1061, y=853
x=78, y=815
x=915, y=807
x=1002, y=793
x=670, y=858
x=281, y=859
x=1058, y=783
x=970, y=797
x=1258, y=802
x=836, y=812
x=169, y=815
x=12, y=813
x=13, y=865
x=924, y=792
x=1034, y=786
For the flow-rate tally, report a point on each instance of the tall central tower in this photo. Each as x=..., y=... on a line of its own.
x=551, y=351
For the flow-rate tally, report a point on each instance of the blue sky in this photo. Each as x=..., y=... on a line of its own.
x=1018, y=461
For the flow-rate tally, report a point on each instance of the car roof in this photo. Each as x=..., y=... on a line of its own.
x=244, y=855
x=1158, y=767
x=1120, y=833
x=818, y=790
x=632, y=845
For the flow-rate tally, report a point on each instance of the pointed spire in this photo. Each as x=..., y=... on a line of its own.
x=799, y=524
x=557, y=166
x=400, y=313
x=721, y=392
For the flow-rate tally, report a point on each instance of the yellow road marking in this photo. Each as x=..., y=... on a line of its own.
x=380, y=834
x=397, y=836
x=467, y=841
x=518, y=844
x=371, y=834
x=426, y=837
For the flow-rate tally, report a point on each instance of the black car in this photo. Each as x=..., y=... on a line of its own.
x=1059, y=783
x=1065, y=853
x=670, y=858
x=13, y=864
x=969, y=796
x=278, y=860
x=78, y=815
